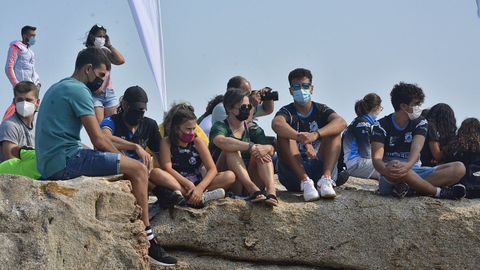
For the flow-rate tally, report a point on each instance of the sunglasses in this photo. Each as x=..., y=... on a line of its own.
x=304, y=86
x=245, y=107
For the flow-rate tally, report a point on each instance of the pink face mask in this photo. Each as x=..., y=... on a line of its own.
x=187, y=138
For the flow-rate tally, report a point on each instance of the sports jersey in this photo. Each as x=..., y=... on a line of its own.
x=315, y=119
x=397, y=141
x=186, y=161
x=356, y=140
x=146, y=134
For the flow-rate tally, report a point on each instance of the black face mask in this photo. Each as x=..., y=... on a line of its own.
x=133, y=117
x=95, y=85
x=243, y=114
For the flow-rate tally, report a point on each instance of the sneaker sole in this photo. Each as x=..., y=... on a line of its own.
x=155, y=262
x=329, y=196
x=312, y=199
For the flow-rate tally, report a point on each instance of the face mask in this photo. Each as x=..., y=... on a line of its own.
x=31, y=41
x=243, y=114
x=133, y=117
x=99, y=42
x=416, y=112
x=95, y=84
x=301, y=96
x=25, y=108
x=187, y=137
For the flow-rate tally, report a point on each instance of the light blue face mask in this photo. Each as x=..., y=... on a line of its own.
x=31, y=41
x=302, y=96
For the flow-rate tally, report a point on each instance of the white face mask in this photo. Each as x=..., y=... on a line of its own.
x=416, y=112
x=25, y=108
x=99, y=42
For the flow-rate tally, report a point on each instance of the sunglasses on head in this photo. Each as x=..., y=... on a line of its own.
x=304, y=86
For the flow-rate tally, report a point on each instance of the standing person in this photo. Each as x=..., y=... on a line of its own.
x=104, y=100
x=308, y=140
x=187, y=159
x=68, y=107
x=18, y=129
x=242, y=147
x=442, y=127
x=396, y=143
x=20, y=64
x=356, y=139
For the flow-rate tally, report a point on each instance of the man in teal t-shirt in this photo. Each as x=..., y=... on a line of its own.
x=66, y=107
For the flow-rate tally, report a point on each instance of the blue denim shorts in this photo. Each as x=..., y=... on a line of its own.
x=106, y=100
x=313, y=168
x=385, y=187
x=89, y=162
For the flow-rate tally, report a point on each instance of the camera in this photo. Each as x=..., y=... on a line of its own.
x=268, y=94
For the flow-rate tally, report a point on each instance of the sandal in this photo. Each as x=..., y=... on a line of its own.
x=257, y=196
x=271, y=200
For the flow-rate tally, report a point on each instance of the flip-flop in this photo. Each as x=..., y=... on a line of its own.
x=271, y=200
x=257, y=196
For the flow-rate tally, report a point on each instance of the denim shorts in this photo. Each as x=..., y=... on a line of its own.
x=385, y=187
x=106, y=100
x=313, y=168
x=89, y=162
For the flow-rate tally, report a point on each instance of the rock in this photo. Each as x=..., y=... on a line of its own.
x=85, y=223
x=359, y=230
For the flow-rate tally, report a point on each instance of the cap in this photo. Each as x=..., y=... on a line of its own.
x=136, y=97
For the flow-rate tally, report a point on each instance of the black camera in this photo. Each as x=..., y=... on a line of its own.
x=273, y=95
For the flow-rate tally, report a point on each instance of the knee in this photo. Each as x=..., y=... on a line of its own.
x=140, y=173
x=459, y=169
x=229, y=177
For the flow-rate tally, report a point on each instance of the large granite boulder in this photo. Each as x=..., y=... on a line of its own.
x=78, y=224
x=359, y=230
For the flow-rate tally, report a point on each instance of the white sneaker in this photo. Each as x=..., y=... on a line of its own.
x=325, y=187
x=211, y=195
x=309, y=191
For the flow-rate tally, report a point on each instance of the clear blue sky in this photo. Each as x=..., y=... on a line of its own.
x=352, y=47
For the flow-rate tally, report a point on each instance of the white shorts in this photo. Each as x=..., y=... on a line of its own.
x=362, y=168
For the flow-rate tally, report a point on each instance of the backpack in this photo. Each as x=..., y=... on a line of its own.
x=471, y=181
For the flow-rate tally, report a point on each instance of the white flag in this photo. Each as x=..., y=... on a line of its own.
x=478, y=8
x=147, y=16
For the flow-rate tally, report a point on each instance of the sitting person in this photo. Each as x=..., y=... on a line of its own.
x=356, y=139
x=18, y=129
x=185, y=157
x=68, y=107
x=131, y=132
x=24, y=163
x=244, y=149
x=261, y=108
x=396, y=143
x=308, y=140
x=205, y=120
x=442, y=127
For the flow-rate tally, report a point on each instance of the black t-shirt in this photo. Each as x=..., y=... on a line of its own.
x=315, y=119
x=396, y=141
x=426, y=155
x=147, y=133
x=185, y=160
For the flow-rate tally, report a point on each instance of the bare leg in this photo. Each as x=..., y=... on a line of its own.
x=416, y=183
x=262, y=174
x=235, y=163
x=222, y=180
x=447, y=174
x=162, y=178
x=329, y=153
x=289, y=155
x=138, y=175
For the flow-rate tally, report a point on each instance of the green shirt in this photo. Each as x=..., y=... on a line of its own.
x=25, y=165
x=253, y=133
x=57, y=134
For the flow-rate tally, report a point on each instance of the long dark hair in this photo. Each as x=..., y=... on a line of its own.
x=91, y=34
x=442, y=117
x=175, y=117
x=211, y=104
x=367, y=104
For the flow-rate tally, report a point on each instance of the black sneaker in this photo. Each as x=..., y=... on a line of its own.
x=455, y=192
x=159, y=256
x=400, y=190
x=167, y=198
x=342, y=178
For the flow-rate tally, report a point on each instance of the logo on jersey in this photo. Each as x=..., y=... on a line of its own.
x=192, y=160
x=313, y=126
x=392, y=141
x=408, y=137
